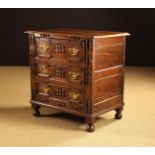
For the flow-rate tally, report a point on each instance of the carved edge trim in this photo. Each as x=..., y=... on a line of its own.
x=32, y=50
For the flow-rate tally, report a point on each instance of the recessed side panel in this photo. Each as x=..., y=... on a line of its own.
x=108, y=52
x=108, y=72
x=109, y=104
x=108, y=87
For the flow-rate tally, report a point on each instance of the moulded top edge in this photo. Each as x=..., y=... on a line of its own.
x=84, y=33
x=113, y=35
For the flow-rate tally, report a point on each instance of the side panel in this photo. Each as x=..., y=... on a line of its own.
x=108, y=74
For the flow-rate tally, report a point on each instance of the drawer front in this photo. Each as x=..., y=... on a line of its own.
x=67, y=97
x=70, y=50
x=73, y=94
x=69, y=74
x=80, y=107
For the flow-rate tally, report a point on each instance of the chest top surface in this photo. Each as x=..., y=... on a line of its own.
x=80, y=33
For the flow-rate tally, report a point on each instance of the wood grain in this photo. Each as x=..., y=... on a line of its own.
x=77, y=71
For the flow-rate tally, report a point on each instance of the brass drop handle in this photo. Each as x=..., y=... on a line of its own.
x=45, y=90
x=74, y=75
x=44, y=47
x=74, y=51
x=74, y=95
x=43, y=69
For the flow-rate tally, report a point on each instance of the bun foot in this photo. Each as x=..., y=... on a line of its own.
x=90, y=127
x=118, y=114
x=36, y=108
x=36, y=114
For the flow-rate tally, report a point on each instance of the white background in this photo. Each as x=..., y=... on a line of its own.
x=77, y=3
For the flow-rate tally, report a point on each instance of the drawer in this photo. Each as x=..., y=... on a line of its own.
x=66, y=73
x=61, y=104
x=52, y=48
x=80, y=107
x=66, y=97
x=71, y=94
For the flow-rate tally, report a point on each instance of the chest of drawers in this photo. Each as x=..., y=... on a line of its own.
x=77, y=71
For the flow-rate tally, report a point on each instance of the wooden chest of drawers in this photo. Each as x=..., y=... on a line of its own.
x=77, y=71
